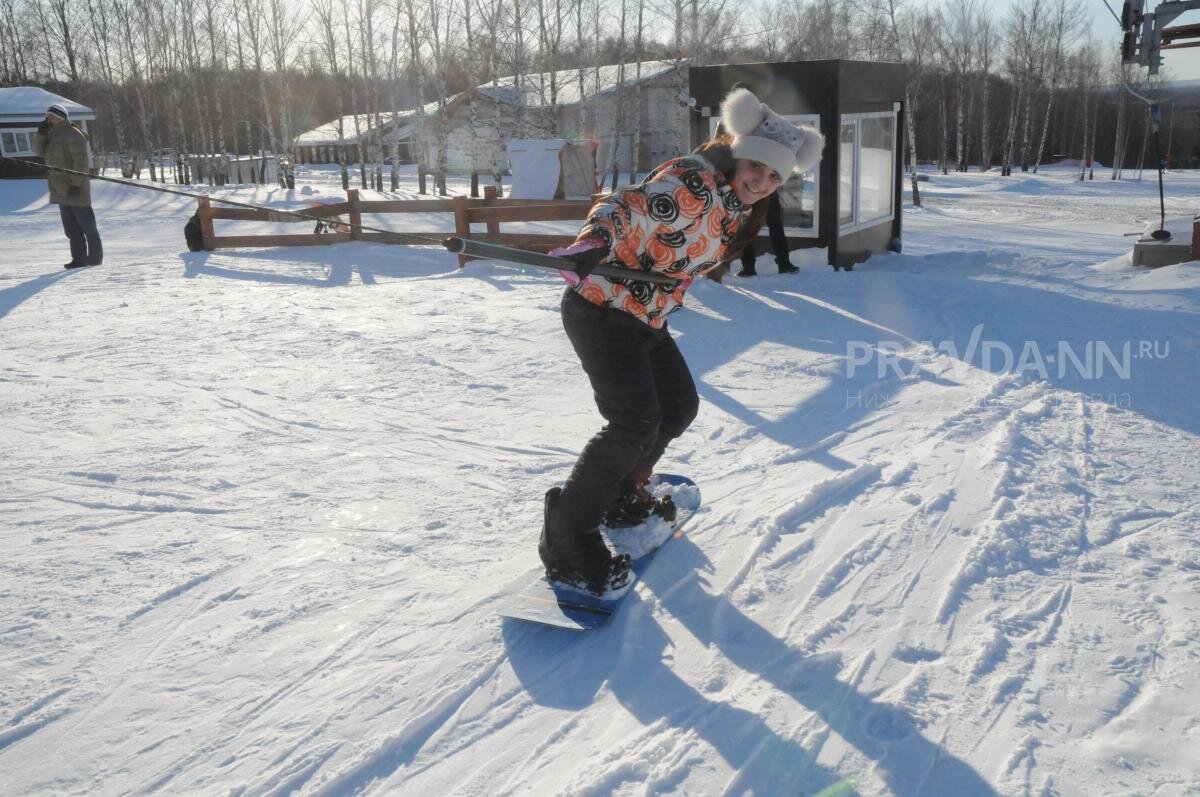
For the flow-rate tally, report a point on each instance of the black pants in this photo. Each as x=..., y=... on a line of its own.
x=644, y=392
x=779, y=244
x=80, y=226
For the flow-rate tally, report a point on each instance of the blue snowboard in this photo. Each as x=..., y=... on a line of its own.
x=551, y=603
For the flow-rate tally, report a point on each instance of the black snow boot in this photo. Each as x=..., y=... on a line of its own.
x=635, y=506
x=580, y=559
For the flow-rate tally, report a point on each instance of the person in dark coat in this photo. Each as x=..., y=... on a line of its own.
x=63, y=145
x=779, y=242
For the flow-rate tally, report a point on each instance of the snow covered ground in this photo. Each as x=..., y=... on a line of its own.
x=258, y=508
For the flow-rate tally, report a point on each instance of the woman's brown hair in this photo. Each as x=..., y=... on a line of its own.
x=717, y=151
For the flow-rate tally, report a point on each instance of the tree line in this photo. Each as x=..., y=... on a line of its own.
x=984, y=89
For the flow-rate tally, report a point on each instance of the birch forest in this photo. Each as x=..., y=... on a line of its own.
x=1007, y=89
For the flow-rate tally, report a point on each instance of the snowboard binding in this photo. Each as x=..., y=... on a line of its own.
x=637, y=505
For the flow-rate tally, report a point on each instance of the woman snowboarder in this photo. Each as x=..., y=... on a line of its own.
x=689, y=216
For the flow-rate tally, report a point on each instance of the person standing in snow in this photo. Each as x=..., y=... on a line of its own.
x=779, y=243
x=689, y=216
x=64, y=145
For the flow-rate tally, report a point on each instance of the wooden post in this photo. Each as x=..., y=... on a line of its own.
x=420, y=178
x=1196, y=238
x=355, y=214
x=206, y=222
x=462, y=224
x=475, y=184
x=489, y=197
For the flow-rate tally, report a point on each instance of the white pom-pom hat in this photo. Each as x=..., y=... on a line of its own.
x=762, y=135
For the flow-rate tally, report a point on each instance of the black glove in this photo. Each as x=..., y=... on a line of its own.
x=44, y=128
x=586, y=254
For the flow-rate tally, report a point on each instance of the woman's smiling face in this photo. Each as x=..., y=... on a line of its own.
x=754, y=181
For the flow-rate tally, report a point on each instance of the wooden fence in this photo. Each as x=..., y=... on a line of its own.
x=490, y=211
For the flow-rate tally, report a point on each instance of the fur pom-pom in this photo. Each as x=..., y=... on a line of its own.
x=741, y=112
x=809, y=153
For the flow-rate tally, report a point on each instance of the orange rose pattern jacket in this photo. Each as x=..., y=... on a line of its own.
x=678, y=221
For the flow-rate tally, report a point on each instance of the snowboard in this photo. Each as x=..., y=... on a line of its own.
x=551, y=603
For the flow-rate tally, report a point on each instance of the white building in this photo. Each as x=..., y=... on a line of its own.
x=321, y=144
x=22, y=109
x=570, y=103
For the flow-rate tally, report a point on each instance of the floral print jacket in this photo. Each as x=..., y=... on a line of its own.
x=678, y=221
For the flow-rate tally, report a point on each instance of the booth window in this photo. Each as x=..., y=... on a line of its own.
x=799, y=196
x=847, y=148
x=868, y=158
x=17, y=142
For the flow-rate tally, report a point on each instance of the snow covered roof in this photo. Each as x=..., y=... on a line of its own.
x=534, y=87
x=596, y=80
x=29, y=104
x=328, y=133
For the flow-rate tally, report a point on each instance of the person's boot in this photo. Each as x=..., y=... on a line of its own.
x=95, y=253
x=787, y=268
x=579, y=559
x=75, y=264
x=747, y=271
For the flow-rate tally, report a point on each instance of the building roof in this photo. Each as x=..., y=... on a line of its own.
x=535, y=91
x=29, y=104
x=329, y=132
x=535, y=88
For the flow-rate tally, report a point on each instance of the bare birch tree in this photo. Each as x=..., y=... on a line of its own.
x=618, y=103
x=252, y=27
x=958, y=43
x=519, y=64
x=985, y=28
x=283, y=26
x=550, y=30
x=440, y=33
x=472, y=82
x=366, y=48
x=98, y=14
x=14, y=60
x=124, y=12
x=218, y=68
x=58, y=22
x=1064, y=19
x=635, y=146
x=325, y=15
x=415, y=32
x=492, y=13
x=394, y=96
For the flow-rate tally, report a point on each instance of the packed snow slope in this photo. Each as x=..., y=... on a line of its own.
x=258, y=508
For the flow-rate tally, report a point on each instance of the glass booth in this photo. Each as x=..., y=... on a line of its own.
x=850, y=203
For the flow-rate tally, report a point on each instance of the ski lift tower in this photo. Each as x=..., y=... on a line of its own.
x=1147, y=35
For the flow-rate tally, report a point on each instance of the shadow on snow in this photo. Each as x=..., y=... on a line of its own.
x=566, y=669
x=826, y=314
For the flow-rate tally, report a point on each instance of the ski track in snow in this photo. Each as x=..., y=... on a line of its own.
x=260, y=505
